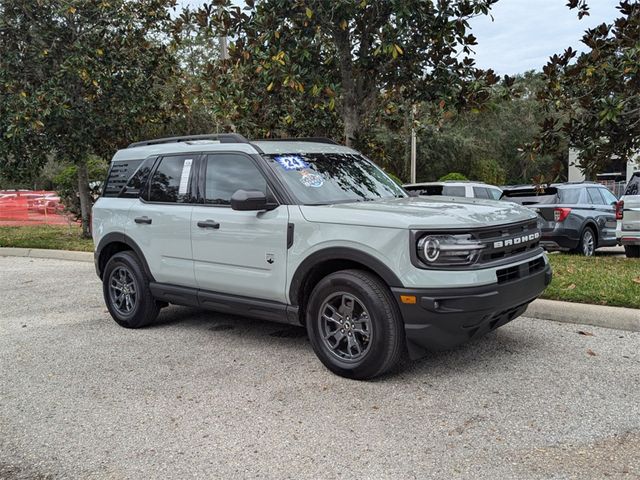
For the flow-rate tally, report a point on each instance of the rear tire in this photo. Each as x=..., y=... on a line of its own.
x=126, y=291
x=354, y=325
x=588, y=243
x=632, y=251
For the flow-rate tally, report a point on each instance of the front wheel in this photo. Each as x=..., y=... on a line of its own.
x=354, y=325
x=126, y=292
x=632, y=251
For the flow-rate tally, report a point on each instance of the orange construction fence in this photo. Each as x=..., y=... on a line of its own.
x=32, y=207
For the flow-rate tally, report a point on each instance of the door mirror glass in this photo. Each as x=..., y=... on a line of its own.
x=250, y=200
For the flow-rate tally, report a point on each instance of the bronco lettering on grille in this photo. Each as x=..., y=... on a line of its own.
x=516, y=240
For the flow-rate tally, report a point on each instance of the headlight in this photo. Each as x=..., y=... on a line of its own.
x=449, y=250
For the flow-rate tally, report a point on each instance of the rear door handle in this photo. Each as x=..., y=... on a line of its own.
x=209, y=224
x=145, y=220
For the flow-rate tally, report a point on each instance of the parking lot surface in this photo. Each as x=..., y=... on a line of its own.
x=202, y=395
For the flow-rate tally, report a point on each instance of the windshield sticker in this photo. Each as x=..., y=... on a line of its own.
x=310, y=179
x=291, y=162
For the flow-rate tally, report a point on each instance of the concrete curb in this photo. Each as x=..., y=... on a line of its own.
x=585, y=314
x=44, y=253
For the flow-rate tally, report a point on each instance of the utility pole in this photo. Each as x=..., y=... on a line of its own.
x=413, y=145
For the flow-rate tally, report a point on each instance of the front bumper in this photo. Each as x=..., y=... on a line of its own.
x=444, y=318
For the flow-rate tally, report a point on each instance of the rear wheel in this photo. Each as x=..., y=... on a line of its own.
x=126, y=291
x=632, y=251
x=354, y=325
x=587, y=245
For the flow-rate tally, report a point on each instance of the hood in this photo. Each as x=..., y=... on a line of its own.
x=436, y=212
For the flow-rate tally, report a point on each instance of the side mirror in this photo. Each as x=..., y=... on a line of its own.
x=250, y=200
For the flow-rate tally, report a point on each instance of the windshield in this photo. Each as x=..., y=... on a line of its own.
x=324, y=178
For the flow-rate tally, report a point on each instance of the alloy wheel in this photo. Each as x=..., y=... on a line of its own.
x=588, y=243
x=345, y=326
x=123, y=291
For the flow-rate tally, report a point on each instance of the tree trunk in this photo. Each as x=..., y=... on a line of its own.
x=85, y=199
x=351, y=120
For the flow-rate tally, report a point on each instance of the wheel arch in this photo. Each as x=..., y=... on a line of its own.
x=324, y=262
x=113, y=243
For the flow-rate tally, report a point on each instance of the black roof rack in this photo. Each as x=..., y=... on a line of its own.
x=301, y=139
x=222, y=138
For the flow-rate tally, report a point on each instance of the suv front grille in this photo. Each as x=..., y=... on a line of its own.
x=509, y=240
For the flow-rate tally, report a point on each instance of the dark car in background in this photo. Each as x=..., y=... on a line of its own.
x=577, y=217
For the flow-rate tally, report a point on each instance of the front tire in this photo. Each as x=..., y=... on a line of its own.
x=126, y=291
x=632, y=251
x=354, y=325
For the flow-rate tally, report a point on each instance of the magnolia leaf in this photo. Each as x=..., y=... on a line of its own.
x=309, y=12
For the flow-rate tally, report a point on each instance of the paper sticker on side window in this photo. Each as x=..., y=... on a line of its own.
x=184, y=178
x=291, y=162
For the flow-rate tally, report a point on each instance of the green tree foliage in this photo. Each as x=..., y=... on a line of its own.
x=453, y=176
x=594, y=98
x=294, y=63
x=78, y=79
x=486, y=143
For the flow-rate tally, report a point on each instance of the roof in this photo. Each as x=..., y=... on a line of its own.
x=449, y=182
x=227, y=143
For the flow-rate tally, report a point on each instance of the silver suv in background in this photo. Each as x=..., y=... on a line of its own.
x=456, y=189
x=628, y=218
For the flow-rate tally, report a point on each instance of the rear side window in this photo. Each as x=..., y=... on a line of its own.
x=481, y=192
x=138, y=180
x=171, y=181
x=595, y=197
x=119, y=174
x=633, y=187
x=229, y=172
x=609, y=198
x=453, y=191
x=494, y=193
x=571, y=196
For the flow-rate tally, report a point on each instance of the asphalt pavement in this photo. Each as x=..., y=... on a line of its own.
x=203, y=395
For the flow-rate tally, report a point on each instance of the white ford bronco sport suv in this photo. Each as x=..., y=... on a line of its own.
x=310, y=233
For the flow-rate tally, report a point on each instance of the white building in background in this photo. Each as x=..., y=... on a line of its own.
x=576, y=175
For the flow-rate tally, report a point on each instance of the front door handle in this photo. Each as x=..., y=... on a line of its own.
x=209, y=224
x=145, y=220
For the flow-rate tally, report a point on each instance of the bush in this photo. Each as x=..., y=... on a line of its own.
x=453, y=176
x=66, y=183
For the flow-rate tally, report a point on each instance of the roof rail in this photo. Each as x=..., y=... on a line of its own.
x=222, y=138
x=301, y=139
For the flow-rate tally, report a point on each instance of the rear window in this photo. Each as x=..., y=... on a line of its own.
x=532, y=196
x=633, y=187
x=119, y=174
x=426, y=189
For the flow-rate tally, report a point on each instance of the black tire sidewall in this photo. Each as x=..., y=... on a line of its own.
x=141, y=313
x=385, y=325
